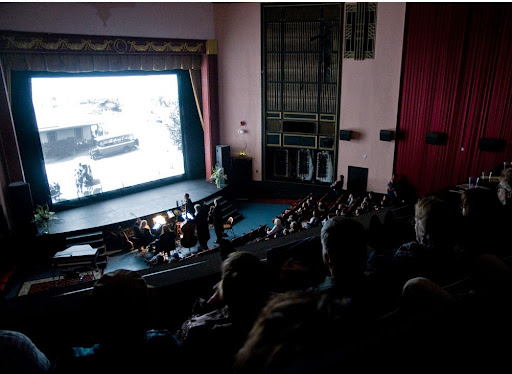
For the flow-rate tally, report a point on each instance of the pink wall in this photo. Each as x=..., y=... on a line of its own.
x=155, y=20
x=369, y=101
x=238, y=34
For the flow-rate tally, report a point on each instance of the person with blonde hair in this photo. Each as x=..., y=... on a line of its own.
x=276, y=229
x=432, y=255
x=146, y=237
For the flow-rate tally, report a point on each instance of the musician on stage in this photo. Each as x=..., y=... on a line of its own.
x=218, y=220
x=189, y=205
x=203, y=232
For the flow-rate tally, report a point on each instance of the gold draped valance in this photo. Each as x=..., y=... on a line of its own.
x=22, y=51
x=87, y=62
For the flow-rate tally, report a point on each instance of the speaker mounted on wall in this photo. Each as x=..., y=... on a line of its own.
x=491, y=144
x=386, y=135
x=436, y=138
x=345, y=135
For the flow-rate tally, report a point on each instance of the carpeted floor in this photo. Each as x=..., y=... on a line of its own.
x=46, y=284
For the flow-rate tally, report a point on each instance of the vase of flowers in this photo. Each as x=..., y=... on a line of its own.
x=42, y=217
x=218, y=175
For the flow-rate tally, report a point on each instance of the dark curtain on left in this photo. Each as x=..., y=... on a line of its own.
x=456, y=79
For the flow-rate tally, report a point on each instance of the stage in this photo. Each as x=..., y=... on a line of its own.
x=127, y=208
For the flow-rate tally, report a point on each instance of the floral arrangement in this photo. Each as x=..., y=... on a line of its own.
x=43, y=215
x=217, y=175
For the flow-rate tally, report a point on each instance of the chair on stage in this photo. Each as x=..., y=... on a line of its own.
x=229, y=226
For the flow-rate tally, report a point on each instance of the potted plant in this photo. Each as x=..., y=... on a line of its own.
x=42, y=217
x=218, y=175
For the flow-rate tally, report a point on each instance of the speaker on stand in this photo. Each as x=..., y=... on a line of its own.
x=223, y=159
x=21, y=209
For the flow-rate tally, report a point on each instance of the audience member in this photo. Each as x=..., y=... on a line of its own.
x=344, y=252
x=321, y=207
x=350, y=200
x=372, y=202
x=294, y=227
x=505, y=188
x=480, y=222
x=384, y=202
x=329, y=216
x=312, y=220
x=467, y=319
x=391, y=190
x=276, y=229
x=340, y=210
x=216, y=336
x=337, y=186
x=225, y=248
x=301, y=332
x=19, y=355
x=121, y=329
x=432, y=255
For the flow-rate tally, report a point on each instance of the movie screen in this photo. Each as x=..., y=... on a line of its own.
x=101, y=134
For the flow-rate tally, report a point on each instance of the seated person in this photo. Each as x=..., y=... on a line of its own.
x=340, y=210
x=312, y=220
x=371, y=200
x=124, y=295
x=135, y=237
x=18, y=354
x=290, y=220
x=218, y=334
x=329, y=216
x=505, y=188
x=351, y=199
x=299, y=332
x=364, y=207
x=145, y=235
x=294, y=227
x=321, y=207
x=277, y=229
x=432, y=255
x=135, y=227
x=167, y=241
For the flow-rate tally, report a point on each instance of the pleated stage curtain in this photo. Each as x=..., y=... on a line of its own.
x=457, y=80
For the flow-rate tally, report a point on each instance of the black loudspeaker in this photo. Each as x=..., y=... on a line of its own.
x=357, y=179
x=21, y=208
x=436, y=138
x=345, y=135
x=386, y=135
x=491, y=144
x=223, y=159
x=242, y=174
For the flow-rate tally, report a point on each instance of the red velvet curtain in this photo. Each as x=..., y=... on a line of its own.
x=456, y=79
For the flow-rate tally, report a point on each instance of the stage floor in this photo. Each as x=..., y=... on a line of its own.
x=126, y=208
